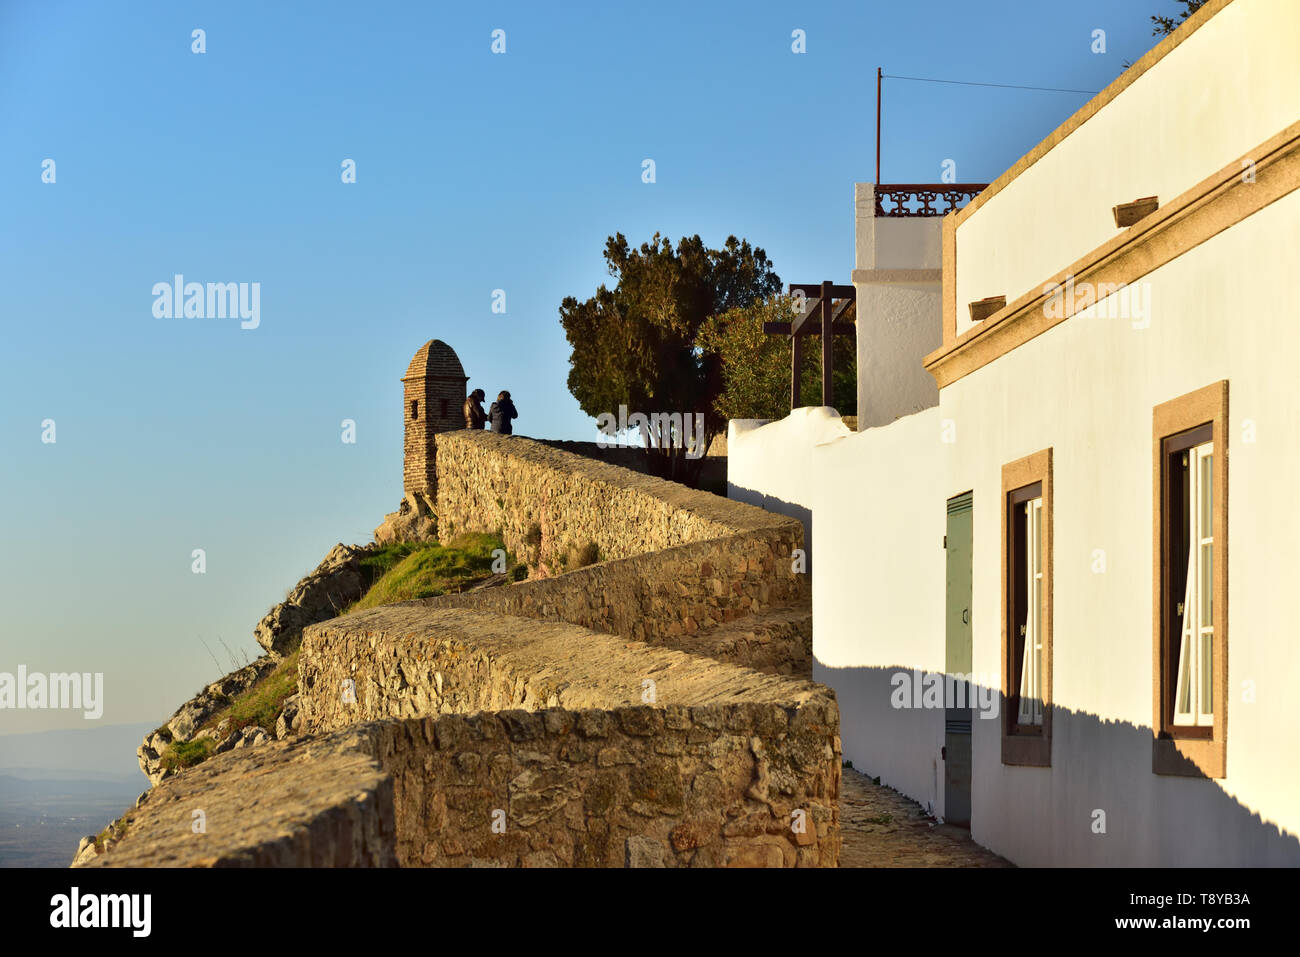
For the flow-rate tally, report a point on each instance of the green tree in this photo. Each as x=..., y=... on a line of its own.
x=756, y=366
x=1167, y=25
x=636, y=344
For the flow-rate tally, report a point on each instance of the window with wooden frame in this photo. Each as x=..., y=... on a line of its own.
x=1027, y=610
x=1190, y=584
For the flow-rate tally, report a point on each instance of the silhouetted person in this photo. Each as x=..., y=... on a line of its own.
x=502, y=411
x=475, y=417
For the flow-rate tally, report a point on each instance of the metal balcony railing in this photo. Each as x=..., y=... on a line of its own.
x=923, y=199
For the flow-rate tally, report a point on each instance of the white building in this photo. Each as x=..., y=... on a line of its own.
x=1085, y=500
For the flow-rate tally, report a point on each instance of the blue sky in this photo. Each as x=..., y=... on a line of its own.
x=475, y=172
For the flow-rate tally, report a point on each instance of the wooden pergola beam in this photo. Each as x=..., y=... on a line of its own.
x=821, y=310
x=802, y=325
x=815, y=290
x=783, y=329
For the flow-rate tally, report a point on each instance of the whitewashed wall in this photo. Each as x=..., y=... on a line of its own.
x=1087, y=389
x=878, y=587
x=760, y=470
x=898, y=320
x=1223, y=91
x=892, y=242
x=878, y=574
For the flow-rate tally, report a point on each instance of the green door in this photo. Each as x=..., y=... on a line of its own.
x=957, y=661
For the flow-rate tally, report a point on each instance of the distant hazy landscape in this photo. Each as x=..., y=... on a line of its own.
x=58, y=786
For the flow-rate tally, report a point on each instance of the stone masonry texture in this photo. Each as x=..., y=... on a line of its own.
x=612, y=715
x=733, y=753
x=742, y=785
x=405, y=660
x=307, y=802
x=433, y=390
x=547, y=502
x=663, y=596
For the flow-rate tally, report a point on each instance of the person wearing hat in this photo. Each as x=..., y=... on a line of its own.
x=502, y=411
x=475, y=417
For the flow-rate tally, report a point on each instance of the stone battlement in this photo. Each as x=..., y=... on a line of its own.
x=604, y=715
x=735, y=783
x=547, y=502
x=406, y=661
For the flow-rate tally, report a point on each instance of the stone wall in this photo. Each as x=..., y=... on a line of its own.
x=778, y=642
x=479, y=739
x=407, y=660
x=663, y=597
x=304, y=802
x=548, y=503
x=589, y=749
x=600, y=717
x=740, y=785
x=734, y=561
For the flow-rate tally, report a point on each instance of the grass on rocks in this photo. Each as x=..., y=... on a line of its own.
x=406, y=571
x=261, y=704
x=186, y=754
x=113, y=833
x=397, y=572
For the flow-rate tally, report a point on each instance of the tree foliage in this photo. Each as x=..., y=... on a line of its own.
x=636, y=344
x=1167, y=25
x=756, y=366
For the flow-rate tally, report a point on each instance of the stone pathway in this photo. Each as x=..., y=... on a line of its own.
x=882, y=828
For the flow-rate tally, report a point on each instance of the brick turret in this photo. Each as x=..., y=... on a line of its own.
x=433, y=393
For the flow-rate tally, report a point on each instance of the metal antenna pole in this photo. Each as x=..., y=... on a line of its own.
x=880, y=76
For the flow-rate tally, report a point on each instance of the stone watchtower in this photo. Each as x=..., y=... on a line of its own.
x=434, y=393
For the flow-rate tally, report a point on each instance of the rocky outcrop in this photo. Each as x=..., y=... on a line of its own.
x=86, y=851
x=191, y=716
x=334, y=584
x=290, y=720
x=323, y=594
x=96, y=845
x=413, y=521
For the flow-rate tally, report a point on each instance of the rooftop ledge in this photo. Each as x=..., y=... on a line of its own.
x=1091, y=108
x=920, y=199
x=1207, y=209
